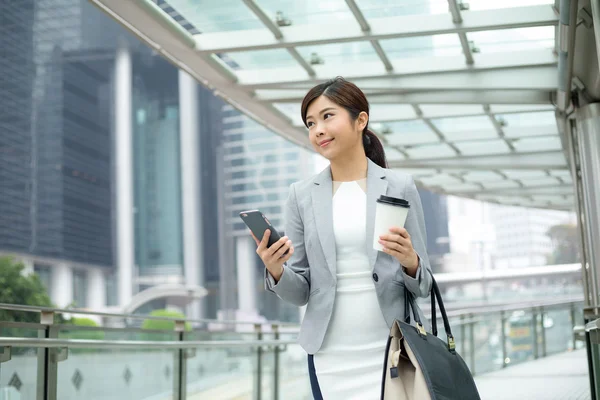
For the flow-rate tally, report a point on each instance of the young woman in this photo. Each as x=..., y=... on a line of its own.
x=353, y=293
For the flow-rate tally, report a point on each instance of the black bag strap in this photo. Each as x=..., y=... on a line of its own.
x=435, y=295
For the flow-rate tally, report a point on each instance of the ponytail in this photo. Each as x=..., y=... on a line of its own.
x=374, y=148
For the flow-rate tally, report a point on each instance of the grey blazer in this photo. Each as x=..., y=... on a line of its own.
x=309, y=277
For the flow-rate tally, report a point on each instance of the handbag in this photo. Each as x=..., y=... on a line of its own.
x=420, y=366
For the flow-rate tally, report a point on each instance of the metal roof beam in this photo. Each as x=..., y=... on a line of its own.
x=458, y=20
x=525, y=161
x=381, y=29
x=429, y=97
x=264, y=18
x=415, y=66
x=366, y=28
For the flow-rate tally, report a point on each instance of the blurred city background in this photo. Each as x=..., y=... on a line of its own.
x=122, y=178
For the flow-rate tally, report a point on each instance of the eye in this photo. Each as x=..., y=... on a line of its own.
x=309, y=124
x=325, y=116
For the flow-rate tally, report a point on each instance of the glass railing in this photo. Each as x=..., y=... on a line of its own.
x=207, y=359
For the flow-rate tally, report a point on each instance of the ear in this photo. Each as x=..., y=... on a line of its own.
x=362, y=120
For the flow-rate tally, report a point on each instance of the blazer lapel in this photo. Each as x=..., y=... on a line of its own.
x=376, y=186
x=323, y=211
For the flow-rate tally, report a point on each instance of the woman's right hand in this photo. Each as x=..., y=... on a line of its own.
x=274, y=257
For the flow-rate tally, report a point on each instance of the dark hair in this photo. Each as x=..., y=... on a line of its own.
x=347, y=95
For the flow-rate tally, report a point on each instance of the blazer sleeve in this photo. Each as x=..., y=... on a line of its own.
x=420, y=285
x=294, y=284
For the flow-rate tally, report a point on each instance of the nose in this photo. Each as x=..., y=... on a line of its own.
x=319, y=131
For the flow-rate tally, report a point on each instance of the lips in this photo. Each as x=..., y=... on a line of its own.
x=325, y=142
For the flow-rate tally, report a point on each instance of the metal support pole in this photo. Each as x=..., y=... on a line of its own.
x=276, y=364
x=258, y=376
x=462, y=333
x=472, y=343
x=503, y=336
x=180, y=364
x=573, y=323
x=574, y=165
x=534, y=321
x=543, y=318
x=47, y=364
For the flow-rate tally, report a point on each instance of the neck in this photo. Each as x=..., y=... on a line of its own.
x=349, y=169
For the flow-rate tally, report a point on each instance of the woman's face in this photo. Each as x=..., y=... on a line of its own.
x=332, y=131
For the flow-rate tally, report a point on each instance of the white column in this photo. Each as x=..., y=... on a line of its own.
x=588, y=144
x=61, y=285
x=96, y=289
x=246, y=274
x=190, y=187
x=29, y=266
x=124, y=173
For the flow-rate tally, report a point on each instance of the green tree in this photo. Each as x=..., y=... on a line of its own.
x=565, y=243
x=168, y=326
x=15, y=288
x=83, y=333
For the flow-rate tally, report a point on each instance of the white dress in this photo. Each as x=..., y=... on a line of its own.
x=350, y=361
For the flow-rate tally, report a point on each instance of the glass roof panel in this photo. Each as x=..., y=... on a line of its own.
x=471, y=135
x=340, y=53
x=292, y=111
x=482, y=176
x=504, y=184
x=263, y=59
x=395, y=8
x=307, y=11
x=528, y=119
x=462, y=187
x=403, y=133
x=450, y=110
x=392, y=154
x=483, y=147
x=440, y=179
x=459, y=124
x=538, y=144
x=217, y=16
x=496, y=4
x=431, y=151
x=422, y=46
x=524, y=174
x=391, y=112
x=506, y=40
x=530, y=131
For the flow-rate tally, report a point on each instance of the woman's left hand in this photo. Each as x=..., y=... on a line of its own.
x=398, y=244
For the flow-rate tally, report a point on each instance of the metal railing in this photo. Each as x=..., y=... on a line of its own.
x=216, y=359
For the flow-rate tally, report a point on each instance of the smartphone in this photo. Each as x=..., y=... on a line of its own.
x=258, y=224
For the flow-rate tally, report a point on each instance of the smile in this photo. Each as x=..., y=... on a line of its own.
x=325, y=142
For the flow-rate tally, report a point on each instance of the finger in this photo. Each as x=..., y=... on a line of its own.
x=275, y=247
x=391, y=237
x=400, y=231
x=393, y=246
x=394, y=253
x=286, y=257
x=262, y=246
x=283, y=249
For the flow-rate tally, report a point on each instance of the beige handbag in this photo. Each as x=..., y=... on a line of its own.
x=409, y=383
x=420, y=366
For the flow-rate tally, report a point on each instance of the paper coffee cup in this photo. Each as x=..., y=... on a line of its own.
x=389, y=212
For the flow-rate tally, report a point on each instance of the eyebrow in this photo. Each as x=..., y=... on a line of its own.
x=321, y=112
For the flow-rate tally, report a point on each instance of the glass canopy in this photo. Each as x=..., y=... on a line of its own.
x=460, y=91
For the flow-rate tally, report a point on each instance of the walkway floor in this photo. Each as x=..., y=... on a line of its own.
x=559, y=377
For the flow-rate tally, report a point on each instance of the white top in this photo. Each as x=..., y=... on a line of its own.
x=348, y=365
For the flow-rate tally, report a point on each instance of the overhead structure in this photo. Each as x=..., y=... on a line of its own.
x=462, y=94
